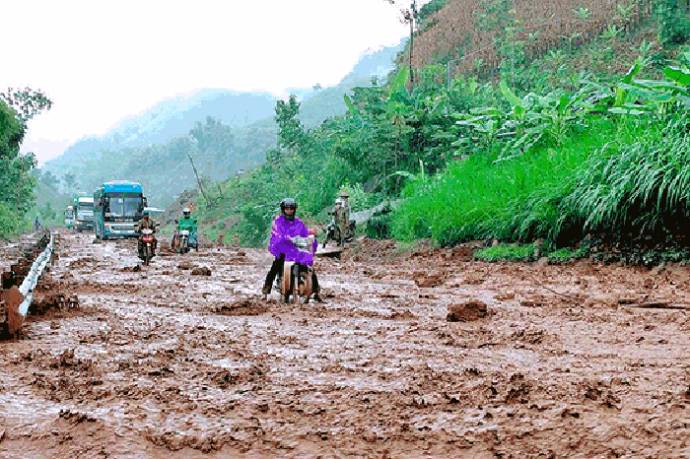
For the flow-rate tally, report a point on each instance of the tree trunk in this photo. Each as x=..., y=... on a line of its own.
x=198, y=180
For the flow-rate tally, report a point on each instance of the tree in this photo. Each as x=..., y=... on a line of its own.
x=11, y=132
x=291, y=134
x=50, y=180
x=213, y=138
x=27, y=102
x=16, y=181
x=70, y=181
x=674, y=26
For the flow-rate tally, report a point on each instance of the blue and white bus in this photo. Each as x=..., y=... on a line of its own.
x=118, y=206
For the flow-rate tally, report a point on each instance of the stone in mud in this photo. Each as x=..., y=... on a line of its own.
x=47, y=300
x=201, y=271
x=245, y=307
x=542, y=262
x=467, y=312
x=428, y=280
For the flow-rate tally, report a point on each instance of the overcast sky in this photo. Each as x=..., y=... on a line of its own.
x=100, y=61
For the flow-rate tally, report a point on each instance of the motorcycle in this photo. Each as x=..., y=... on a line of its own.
x=333, y=233
x=183, y=241
x=148, y=241
x=296, y=280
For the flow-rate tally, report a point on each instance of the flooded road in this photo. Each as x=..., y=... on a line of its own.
x=166, y=362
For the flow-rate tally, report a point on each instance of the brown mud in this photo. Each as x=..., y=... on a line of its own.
x=158, y=362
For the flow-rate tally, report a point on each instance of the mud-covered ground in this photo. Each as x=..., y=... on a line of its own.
x=164, y=363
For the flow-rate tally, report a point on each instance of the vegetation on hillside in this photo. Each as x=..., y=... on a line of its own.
x=16, y=182
x=530, y=153
x=484, y=35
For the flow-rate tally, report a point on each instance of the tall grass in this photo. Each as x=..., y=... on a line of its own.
x=517, y=199
x=640, y=188
x=624, y=182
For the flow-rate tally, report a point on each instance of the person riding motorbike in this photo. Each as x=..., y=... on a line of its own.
x=285, y=227
x=145, y=223
x=186, y=223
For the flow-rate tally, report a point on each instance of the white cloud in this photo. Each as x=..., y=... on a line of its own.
x=103, y=60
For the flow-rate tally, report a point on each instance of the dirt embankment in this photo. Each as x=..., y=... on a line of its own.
x=159, y=362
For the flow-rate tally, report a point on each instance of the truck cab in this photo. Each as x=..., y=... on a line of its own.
x=83, y=213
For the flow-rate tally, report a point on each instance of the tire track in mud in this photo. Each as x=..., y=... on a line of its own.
x=163, y=363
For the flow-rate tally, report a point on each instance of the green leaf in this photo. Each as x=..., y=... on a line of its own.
x=563, y=103
x=626, y=111
x=350, y=105
x=399, y=83
x=510, y=96
x=657, y=85
x=685, y=100
x=632, y=72
x=678, y=75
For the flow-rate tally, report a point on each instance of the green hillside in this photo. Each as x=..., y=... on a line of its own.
x=588, y=139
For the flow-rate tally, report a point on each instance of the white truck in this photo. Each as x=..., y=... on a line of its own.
x=83, y=213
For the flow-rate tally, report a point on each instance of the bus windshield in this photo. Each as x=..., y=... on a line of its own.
x=124, y=205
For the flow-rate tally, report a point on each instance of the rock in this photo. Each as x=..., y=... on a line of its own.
x=428, y=280
x=542, y=262
x=201, y=271
x=131, y=269
x=467, y=312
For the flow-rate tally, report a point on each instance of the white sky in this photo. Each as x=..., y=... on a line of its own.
x=100, y=61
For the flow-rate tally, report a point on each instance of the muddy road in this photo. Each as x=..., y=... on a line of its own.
x=166, y=362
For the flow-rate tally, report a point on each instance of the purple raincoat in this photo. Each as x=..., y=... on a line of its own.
x=281, y=232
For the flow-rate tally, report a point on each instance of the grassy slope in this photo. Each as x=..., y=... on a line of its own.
x=553, y=192
x=514, y=199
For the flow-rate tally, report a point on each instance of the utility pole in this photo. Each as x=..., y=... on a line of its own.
x=410, y=16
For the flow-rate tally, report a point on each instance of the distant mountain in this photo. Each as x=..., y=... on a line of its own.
x=152, y=147
x=318, y=105
x=169, y=119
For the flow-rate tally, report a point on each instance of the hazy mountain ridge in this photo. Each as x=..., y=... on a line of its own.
x=151, y=147
x=169, y=119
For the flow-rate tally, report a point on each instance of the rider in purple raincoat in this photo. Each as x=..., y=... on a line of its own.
x=285, y=227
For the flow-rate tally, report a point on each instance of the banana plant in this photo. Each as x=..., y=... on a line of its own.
x=642, y=97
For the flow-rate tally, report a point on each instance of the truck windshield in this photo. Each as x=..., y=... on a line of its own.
x=125, y=206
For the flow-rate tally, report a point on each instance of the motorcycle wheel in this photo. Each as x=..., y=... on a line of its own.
x=307, y=287
x=294, y=287
x=147, y=255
